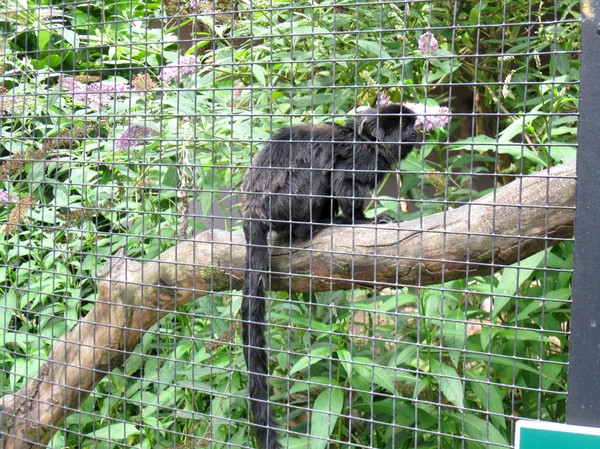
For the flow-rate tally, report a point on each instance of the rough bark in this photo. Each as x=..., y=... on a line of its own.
x=521, y=218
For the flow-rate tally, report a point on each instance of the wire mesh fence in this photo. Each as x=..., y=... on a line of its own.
x=386, y=189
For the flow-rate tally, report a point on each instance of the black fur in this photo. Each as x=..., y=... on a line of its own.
x=302, y=178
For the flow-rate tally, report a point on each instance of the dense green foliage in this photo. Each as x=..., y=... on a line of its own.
x=104, y=148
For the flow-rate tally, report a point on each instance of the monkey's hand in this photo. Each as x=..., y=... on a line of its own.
x=382, y=219
x=378, y=219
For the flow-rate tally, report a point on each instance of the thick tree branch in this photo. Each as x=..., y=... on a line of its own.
x=519, y=219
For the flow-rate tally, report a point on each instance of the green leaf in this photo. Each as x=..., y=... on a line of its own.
x=43, y=39
x=382, y=377
x=494, y=361
x=564, y=153
x=517, y=126
x=475, y=144
x=490, y=397
x=512, y=279
x=316, y=355
x=407, y=356
x=522, y=335
x=479, y=429
x=312, y=30
x=373, y=48
x=450, y=383
x=258, y=72
x=70, y=36
x=206, y=201
x=454, y=329
x=561, y=61
x=536, y=306
x=115, y=432
x=390, y=303
x=551, y=375
x=521, y=152
x=326, y=411
x=474, y=16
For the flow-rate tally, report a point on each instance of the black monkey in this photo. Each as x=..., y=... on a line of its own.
x=296, y=184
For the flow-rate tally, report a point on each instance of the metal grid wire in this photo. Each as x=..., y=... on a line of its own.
x=126, y=130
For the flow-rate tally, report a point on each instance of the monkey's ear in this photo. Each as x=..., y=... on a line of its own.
x=366, y=124
x=361, y=126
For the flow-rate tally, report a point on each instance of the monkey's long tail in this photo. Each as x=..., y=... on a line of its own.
x=253, y=319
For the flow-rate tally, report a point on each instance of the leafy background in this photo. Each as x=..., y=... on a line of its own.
x=105, y=145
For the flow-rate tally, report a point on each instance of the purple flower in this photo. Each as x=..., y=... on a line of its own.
x=429, y=117
x=132, y=136
x=203, y=6
x=100, y=94
x=383, y=99
x=186, y=65
x=72, y=86
x=6, y=198
x=428, y=44
x=13, y=104
x=96, y=95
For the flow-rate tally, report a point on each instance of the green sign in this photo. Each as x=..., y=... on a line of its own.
x=547, y=435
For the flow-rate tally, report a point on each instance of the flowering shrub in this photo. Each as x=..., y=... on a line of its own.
x=185, y=65
x=96, y=95
x=132, y=136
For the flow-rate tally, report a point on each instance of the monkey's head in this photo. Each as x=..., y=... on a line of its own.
x=390, y=125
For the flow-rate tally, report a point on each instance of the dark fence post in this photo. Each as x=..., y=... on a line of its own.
x=583, y=403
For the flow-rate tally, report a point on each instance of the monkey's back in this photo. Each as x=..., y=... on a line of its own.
x=290, y=178
x=297, y=178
